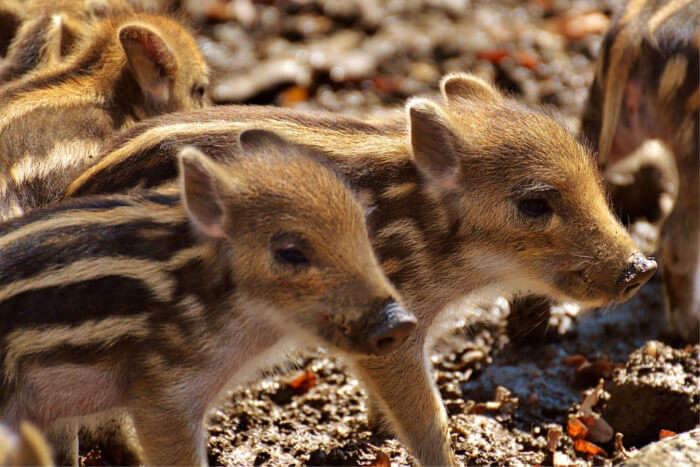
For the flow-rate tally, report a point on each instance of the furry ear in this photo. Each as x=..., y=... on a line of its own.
x=202, y=187
x=150, y=59
x=432, y=142
x=256, y=141
x=468, y=87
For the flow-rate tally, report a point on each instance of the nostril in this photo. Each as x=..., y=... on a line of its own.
x=396, y=325
x=630, y=289
x=638, y=271
x=391, y=336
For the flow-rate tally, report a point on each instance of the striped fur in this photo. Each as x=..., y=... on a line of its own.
x=646, y=81
x=54, y=120
x=647, y=86
x=444, y=185
x=154, y=301
x=49, y=31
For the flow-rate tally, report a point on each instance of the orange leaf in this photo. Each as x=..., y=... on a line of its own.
x=666, y=433
x=588, y=421
x=576, y=429
x=387, y=84
x=527, y=60
x=293, y=95
x=382, y=460
x=590, y=449
x=493, y=55
x=574, y=360
x=303, y=383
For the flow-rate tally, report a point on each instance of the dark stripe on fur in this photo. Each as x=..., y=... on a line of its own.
x=108, y=297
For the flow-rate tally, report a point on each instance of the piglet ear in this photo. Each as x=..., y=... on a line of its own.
x=256, y=142
x=456, y=86
x=432, y=143
x=202, y=187
x=151, y=61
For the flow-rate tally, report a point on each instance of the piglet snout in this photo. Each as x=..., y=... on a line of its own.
x=638, y=271
x=393, y=326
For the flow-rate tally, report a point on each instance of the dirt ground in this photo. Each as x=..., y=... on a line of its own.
x=513, y=397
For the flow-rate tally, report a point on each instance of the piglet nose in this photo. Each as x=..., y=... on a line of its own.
x=394, y=326
x=638, y=271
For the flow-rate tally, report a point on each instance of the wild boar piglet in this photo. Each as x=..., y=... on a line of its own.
x=470, y=196
x=155, y=301
x=47, y=31
x=53, y=121
x=647, y=86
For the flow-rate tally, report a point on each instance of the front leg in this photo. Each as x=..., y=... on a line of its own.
x=377, y=420
x=402, y=384
x=170, y=432
x=63, y=437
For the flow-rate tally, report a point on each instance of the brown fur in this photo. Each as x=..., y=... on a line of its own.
x=49, y=31
x=443, y=183
x=129, y=68
x=154, y=301
x=651, y=91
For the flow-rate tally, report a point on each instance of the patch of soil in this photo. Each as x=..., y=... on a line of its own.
x=504, y=401
x=659, y=385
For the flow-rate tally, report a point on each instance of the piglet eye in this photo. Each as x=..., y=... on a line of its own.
x=291, y=249
x=535, y=207
x=291, y=256
x=198, y=91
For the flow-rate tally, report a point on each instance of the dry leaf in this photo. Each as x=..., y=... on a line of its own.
x=493, y=55
x=666, y=433
x=387, y=84
x=553, y=435
x=575, y=360
x=588, y=448
x=527, y=60
x=576, y=429
x=382, y=460
x=293, y=95
x=303, y=383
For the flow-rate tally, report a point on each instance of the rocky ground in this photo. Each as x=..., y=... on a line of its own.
x=514, y=397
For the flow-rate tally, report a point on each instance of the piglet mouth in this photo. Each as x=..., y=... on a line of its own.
x=577, y=286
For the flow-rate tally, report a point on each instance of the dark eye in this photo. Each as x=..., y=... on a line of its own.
x=535, y=207
x=292, y=256
x=198, y=91
x=291, y=249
